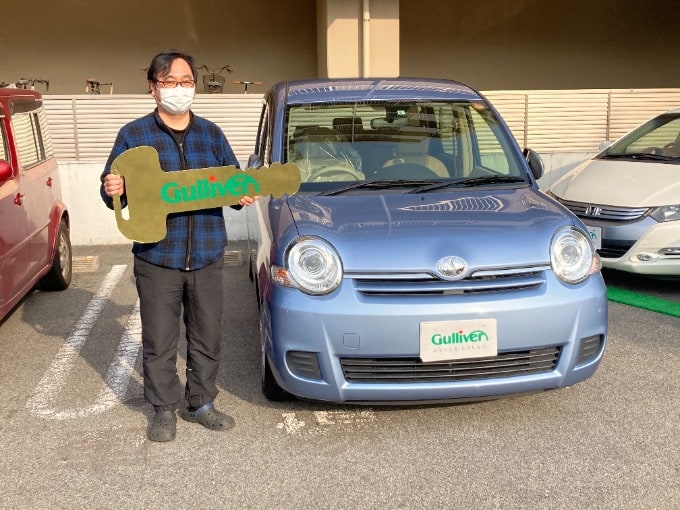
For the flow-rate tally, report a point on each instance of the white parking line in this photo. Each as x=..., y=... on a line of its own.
x=118, y=375
x=344, y=417
x=325, y=419
x=290, y=424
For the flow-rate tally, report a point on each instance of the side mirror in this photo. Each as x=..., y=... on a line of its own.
x=535, y=163
x=5, y=170
x=605, y=145
x=254, y=161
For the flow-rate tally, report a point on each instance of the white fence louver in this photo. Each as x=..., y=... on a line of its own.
x=84, y=127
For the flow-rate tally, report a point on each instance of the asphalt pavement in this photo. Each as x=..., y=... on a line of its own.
x=73, y=422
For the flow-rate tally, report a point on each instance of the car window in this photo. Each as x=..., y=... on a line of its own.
x=28, y=149
x=492, y=147
x=32, y=139
x=262, y=140
x=657, y=136
x=44, y=135
x=4, y=153
x=397, y=140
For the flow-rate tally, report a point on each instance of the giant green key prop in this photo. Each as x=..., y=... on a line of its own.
x=152, y=193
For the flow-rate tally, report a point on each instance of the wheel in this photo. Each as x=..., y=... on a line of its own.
x=256, y=285
x=59, y=276
x=330, y=174
x=270, y=388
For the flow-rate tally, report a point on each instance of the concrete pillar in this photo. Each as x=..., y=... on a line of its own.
x=358, y=38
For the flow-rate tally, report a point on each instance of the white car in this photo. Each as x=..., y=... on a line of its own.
x=629, y=198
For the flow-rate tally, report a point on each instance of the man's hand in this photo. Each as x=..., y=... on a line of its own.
x=114, y=185
x=244, y=201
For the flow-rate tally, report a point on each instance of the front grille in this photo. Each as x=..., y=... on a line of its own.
x=482, y=280
x=412, y=370
x=605, y=215
x=604, y=212
x=614, y=250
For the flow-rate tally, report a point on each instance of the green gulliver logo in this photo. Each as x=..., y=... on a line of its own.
x=173, y=193
x=458, y=337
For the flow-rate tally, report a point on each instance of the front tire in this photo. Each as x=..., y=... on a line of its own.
x=270, y=388
x=59, y=276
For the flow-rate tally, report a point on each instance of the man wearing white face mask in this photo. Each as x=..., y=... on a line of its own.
x=181, y=274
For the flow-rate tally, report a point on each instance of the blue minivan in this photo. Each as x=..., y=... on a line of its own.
x=419, y=261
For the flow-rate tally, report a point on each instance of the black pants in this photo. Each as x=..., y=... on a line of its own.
x=162, y=294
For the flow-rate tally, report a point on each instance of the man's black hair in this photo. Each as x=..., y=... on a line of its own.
x=162, y=62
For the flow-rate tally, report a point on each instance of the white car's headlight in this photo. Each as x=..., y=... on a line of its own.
x=572, y=256
x=311, y=265
x=666, y=213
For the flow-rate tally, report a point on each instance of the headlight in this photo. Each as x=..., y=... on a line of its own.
x=666, y=213
x=311, y=265
x=572, y=256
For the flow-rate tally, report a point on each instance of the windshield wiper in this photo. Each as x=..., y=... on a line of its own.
x=381, y=184
x=432, y=186
x=489, y=179
x=641, y=156
x=473, y=181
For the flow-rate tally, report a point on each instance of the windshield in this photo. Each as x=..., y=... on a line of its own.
x=659, y=138
x=416, y=140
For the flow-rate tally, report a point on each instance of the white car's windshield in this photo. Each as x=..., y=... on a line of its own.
x=658, y=139
x=420, y=141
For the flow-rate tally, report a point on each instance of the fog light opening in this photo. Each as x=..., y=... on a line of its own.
x=590, y=349
x=304, y=364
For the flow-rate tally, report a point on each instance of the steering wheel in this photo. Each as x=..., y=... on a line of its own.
x=326, y=174
x=407, y=171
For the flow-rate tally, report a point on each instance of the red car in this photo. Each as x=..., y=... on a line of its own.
x=35, y=245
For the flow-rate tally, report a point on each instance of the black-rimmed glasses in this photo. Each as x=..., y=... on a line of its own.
x=171, y=84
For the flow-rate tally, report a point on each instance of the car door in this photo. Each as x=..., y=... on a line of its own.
x=14, y=231
x=256, y=214
x=37, y=168
x=258, y=158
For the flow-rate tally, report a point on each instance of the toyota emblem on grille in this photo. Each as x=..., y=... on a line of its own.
x=593, y=210
x=452, y=268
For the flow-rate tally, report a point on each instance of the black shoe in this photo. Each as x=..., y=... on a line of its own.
x=163, y=427
x=209, y=417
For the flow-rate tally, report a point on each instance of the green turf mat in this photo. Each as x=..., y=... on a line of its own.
x=643, y=301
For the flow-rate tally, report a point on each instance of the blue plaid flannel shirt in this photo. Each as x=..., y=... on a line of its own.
x=194, y=239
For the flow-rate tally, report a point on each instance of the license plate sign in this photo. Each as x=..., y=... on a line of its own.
x=595, y=236
x=452, y=340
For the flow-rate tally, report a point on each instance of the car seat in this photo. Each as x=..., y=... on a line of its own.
x=322, y=155
x=413, y=147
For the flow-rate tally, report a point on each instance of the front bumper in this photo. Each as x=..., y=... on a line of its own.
x=346, y=325
x=656, y=251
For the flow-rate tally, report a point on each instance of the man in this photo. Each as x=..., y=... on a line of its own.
x=184, y=270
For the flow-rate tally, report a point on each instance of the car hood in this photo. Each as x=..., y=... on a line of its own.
x=621, y=183
x=392, y=232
